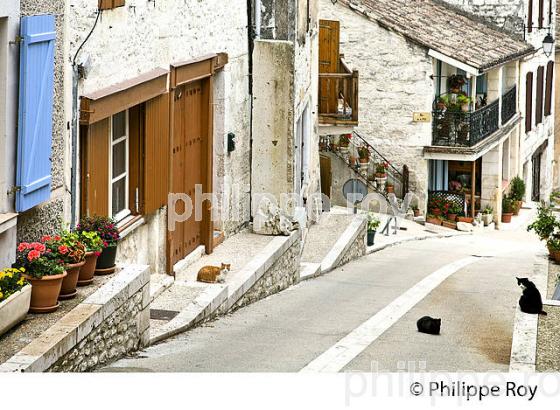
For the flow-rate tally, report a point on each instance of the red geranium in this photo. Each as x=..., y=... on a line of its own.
x=22, y=246
x=63, y=249
x=32, y=255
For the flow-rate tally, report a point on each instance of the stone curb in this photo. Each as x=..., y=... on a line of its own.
x=523, y=356
x=227, y=295
x=159, y=283
x=377, y=248
x=343, y=244
x=71, y=329
x=309, y=270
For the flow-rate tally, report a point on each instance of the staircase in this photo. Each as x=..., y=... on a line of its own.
x=358, y=148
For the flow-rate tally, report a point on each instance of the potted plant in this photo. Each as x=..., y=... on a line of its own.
x=373, y=223
x=463, y=102
x=344, y=142
x=107, y=230
x=507, y=210
x=390, y=188
x=456, y=83
x=487, y=215
x=449, y=224
x=453, y=211
x=545, y=224
x=15, y=298
x=433, y=219
x=553, y=245
x=416, y=210
x=517, y=192
x=363, y=157
x=71, y=253
x=45, y=273
x=381, y=170
x=94, y=246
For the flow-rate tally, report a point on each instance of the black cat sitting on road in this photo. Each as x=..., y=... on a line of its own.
x=531, y=300
x=429, y=325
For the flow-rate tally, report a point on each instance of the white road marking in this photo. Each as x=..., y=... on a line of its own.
x=350, y=346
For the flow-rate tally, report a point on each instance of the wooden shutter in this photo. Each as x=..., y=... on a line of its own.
x=529, y=103
x=530, y=16
x=156, y=163
x=329, y=40
x=110, y=4
x=541, y=13
x=33, y=167
x=95, y=169
x=549, y=88
x=539, y=101
x=136, y=159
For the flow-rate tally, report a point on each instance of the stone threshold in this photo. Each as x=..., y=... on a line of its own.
x=523, y=356
x=72, y=329
x=225, y=296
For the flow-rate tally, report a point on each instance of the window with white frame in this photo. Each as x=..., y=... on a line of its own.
x=118, y=166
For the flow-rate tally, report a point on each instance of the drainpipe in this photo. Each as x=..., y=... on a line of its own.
x=75, y=116
x=74, y=173
x=251, y=45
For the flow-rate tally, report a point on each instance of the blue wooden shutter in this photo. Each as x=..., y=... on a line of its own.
x=36, y=84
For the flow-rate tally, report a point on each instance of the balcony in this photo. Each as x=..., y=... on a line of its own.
x=338, y=96
x=455, y=126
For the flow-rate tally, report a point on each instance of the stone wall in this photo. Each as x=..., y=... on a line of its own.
x=51, y=213
x=281, y=275
x=394, y=83
x=110, y=323
x=548, y=339
x=507, y=14
x=145, y=35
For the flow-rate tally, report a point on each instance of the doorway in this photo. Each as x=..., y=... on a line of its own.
x=191, y=166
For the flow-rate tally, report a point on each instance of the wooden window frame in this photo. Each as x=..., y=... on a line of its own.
x=529, y=102
x=126, y=211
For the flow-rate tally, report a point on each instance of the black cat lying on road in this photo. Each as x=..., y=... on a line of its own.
x=429, y=325
x=530, y=301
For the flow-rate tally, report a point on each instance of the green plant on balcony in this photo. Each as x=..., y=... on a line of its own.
x=344, y=140
x=456, y=82
x=363, y=154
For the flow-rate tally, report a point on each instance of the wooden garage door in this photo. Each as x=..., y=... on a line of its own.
x=190, y=139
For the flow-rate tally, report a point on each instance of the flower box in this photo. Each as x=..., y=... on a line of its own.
x=14, y=309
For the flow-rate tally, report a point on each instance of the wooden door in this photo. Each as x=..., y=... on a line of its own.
x=536, y=194
x=326, y=174
x=189, y=163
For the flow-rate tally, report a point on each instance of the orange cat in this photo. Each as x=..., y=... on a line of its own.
x=213, y=274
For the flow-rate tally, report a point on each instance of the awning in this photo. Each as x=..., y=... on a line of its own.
x=124, y=95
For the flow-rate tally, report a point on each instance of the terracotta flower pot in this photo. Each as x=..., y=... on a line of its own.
x=44, y=293
x=452, y=217
x=506, y=217
x=466, y=219
x=68, y=290
x=434, y=221
x=390, y=189
x=517, y=205
x=416, y=213
x=106, y=261
x=88, y=270
x=450, y=225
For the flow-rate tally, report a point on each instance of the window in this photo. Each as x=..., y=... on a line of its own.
x=541, y=13
x=110, y=4
x=529, y=103
x=549, y=86
x=530, y=16
x=119, y=158
x=539, y=101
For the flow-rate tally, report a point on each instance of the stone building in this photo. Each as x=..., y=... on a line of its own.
x=416, y=58
x=156, y=98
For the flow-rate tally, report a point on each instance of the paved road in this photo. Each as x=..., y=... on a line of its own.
x=356, y=319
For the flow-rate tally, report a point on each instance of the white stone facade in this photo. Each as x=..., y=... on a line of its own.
x=394, y=83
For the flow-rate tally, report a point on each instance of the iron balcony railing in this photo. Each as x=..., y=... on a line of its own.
x=464, y=128
x=509, y=105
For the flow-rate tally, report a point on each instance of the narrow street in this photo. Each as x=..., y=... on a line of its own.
x=354, y=319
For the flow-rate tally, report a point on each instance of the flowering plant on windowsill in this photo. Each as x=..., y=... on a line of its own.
x=92, y=241
x=105, y=227
x=37, y=260
x=11, y=281
x=66, y=247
